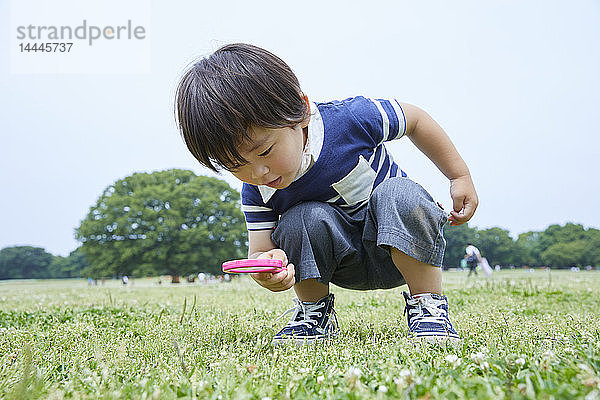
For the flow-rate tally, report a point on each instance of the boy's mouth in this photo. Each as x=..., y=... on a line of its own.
x=274, y=183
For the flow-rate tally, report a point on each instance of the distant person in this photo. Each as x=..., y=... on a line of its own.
x=473, y=256
x=124, y=279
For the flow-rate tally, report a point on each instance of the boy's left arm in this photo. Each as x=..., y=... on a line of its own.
x=431, y=139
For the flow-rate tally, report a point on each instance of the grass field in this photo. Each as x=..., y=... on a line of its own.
x=525, y=335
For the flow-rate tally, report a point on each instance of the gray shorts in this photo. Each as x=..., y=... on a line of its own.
x=349, y=250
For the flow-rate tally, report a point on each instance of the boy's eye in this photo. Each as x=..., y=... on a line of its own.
x=266, y=152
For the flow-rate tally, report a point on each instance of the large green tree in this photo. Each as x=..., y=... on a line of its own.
x=166, y=222
x=24, y=262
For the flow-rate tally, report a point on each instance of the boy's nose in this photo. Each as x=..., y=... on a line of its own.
x=259, y=171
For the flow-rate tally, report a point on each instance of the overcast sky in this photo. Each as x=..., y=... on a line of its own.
x=516, y=85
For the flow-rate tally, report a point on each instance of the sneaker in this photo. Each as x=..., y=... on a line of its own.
x=310, y=322
x=428, y=318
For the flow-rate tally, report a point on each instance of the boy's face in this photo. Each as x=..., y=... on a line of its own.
x=274, y=156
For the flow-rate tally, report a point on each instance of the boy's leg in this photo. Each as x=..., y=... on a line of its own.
x=314, y=237
x=404, y=219
x=326, y=245
x=311, y=290
x=420, y=277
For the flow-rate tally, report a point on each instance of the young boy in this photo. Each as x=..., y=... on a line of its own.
x=321, y=192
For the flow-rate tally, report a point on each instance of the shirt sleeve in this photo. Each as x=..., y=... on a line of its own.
x=259, y=216
x=383, y=119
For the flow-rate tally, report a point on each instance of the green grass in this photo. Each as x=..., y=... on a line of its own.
x=525, y=335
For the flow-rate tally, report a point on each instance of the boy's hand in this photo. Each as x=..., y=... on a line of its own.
x=276, y=282
x=464, y=198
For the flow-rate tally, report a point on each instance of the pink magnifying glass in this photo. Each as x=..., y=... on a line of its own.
x=252, y=266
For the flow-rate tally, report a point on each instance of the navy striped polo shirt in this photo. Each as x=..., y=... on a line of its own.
x=350, y=160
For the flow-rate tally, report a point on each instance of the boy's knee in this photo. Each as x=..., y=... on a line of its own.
x=304, y=217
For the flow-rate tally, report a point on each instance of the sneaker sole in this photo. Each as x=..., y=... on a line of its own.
x=301, y=341
x=438, y=339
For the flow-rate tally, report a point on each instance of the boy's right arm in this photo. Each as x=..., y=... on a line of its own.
x=260, y=245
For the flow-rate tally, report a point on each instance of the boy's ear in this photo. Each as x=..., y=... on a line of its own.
x=307, y=103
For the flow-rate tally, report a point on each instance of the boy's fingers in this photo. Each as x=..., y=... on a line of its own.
x=280, y=281
x=457, y=203
x=469, y=211
x=261, y=276
x=286, y=282
x=459, y=218
x=289, y=277
x=284, y=285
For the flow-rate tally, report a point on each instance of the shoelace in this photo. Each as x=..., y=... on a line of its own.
x=437, y=315
x=308, y=311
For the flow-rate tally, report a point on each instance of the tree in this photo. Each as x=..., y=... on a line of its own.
x=68, y=267
x=564, y=254
x=457, y=238
x=496, y=245
x=528, y=249
x=591, y=252
x=167, y=222
x=24, y=262
x=561, y=234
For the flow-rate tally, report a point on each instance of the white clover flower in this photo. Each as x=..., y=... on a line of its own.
x=353, y=376
x=303, y=370
x=354, y=372
x=405, y=379
x=477, y=357
x=453, y=360
x=405, y=373
x=201, y=384
x=320, y=379
x=520, y=361
x=382, y=389
x=548, y=354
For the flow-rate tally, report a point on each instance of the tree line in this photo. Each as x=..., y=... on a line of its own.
x=175, y=223
x=570, y=245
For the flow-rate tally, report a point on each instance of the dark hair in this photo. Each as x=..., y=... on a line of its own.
x=221, y=96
